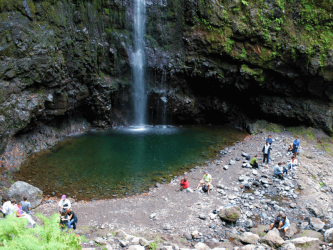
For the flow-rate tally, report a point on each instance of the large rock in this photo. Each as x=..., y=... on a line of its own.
x=21, y=188
x=232, y=213
x=259, y=230
x=288, y=246
x=312, y=234
x=318, y=212
x=306, y=243
x=249, y=238
x=329, y=235
x=273, y=239
x=136, y=247
x=317, y=223
x=201, y=246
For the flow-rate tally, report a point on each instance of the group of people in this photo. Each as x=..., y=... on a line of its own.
x=21, y=209
x=67, y=217
x=206, y=183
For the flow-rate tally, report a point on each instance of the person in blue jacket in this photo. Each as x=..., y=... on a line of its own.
x=269, y=140
x=296, y=145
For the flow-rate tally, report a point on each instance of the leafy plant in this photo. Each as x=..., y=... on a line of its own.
x=14, y=235
x=153, y=246
x=245, y=3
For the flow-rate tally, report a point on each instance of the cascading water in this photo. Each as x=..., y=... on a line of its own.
x=139, y=64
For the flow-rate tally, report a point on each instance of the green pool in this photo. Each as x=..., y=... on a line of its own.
x=123, y=161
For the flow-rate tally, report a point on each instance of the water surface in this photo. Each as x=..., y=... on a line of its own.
x=123, y=161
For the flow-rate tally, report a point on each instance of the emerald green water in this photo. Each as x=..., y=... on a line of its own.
x=123, y=161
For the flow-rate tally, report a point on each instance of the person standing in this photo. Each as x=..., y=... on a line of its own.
x=266, y=150
x=269, y=140
x=64, y=203
x=26, y=206
x=296, y=146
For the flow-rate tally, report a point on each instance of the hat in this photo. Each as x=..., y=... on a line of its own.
x=206, y=171
x=63, y=197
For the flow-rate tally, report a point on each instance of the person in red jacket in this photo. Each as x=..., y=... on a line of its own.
x=184, y=184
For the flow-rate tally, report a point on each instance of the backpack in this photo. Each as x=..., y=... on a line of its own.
x=204, y=188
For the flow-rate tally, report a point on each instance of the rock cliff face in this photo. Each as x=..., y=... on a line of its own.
x=226, y=61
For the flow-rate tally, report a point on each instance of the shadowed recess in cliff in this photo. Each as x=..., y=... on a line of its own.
x=123, y=161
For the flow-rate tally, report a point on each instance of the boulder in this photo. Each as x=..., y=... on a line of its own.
x=163, y=248
x=273, y=239
x=231, y=213
x=312, y=234
x=201, y=246
x=195, y=234
x=231, y=162
x=329, y=235
x=188, y=236
x=315, y=211
x=21, y=188
x=245, y=154
x=249, y=238
x=306, y=242
x=317, y=223
x=248, y=247
x=288, y=246
x=136, y=247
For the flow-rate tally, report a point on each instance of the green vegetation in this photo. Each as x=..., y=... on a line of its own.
x=14, y=235
x=153, y=246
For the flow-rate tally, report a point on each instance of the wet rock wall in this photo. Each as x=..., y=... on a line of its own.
x=225, y=61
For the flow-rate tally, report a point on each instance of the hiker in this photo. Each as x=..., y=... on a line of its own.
x=206, y=181
x=21, y=214
x=63, y=219
x=266, y=150
x=277, y=171
x=71, y=219
x=184, y=184
x=285, y=225
x=276, y=223
x=292, y=163
x=269, y=140
x=6, y=207
x=284, y=168
x=296, y=145
x=254, y=162
x=26, y=206
x=64, y=203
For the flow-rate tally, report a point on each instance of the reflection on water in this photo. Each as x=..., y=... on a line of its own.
x=123, y=161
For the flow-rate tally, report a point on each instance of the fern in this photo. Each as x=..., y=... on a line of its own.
x=14, y=235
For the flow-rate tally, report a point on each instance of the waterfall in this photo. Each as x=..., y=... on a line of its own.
x=139, y=64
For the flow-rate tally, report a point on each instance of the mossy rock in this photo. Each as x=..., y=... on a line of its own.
x=312, y=234
x=230, y=213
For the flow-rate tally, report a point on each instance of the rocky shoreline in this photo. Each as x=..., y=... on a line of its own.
x=186, y=219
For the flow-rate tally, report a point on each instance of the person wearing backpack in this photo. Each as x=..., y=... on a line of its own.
x=206, y=181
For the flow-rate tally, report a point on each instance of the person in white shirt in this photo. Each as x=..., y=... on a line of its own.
x=8, y=207
x=64, y=203
x=266, y=150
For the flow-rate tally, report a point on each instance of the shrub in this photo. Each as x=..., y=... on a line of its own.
x=14, y=235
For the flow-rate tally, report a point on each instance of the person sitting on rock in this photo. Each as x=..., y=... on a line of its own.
x=277, y=171
x=206, y=180
x=26, y=206
x=184, y=184
x=292, y=163
x=21, y=214
x=266, y=150
x=64, y=203
x=284, y=224
x=254, y=162
x=276, y=223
